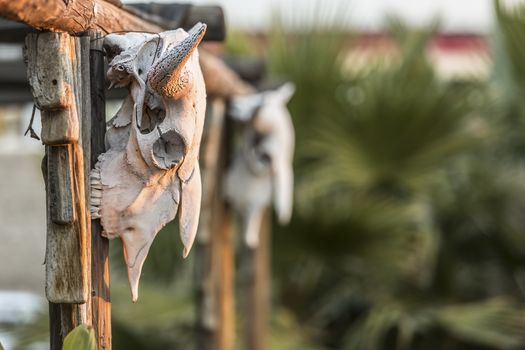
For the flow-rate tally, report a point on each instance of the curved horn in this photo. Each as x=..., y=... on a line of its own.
x=164, y=75
x=283, y=190
x=189, y=209
x=252, y=226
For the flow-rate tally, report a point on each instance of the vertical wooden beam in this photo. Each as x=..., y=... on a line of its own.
x=101, y=304
x=52, y=66
x=205, y=270
x=214, y=248
x=225, y=291
x=61, y=62
x=256, y=289
x=65, y=266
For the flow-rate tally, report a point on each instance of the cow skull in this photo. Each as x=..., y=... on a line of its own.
x=261, y=170
x=150, y=169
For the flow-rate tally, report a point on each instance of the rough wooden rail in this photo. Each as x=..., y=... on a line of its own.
x=58, y=67
x=74, y=16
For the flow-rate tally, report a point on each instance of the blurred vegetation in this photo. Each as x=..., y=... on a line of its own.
x=409, y=229
x=240, y=45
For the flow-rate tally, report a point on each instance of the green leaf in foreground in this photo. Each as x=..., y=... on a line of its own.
x=80, y=338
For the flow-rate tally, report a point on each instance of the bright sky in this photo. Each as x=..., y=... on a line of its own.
x=456, y=15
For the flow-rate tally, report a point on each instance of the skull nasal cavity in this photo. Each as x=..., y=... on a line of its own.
x=168, y=150
x=151, y=118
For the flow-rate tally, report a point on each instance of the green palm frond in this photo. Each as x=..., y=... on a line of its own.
x=408, y=192
x=388, y=325
x=497, y=322
x=388, y=137
x=286, y=333
x=383, y=247
x=511, y=30
x=312, y=59
x=508, y=75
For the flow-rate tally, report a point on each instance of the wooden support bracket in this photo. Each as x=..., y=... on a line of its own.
x=54, y=71
x=50, y=61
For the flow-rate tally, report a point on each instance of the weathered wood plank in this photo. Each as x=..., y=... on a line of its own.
x=50, y=74
x=214, y=248
x=225, y=257
x=79, y=16
x=74, y=16
x=56, y=339
x=82, y=88
x=221, y=80
x=256, y=291
x=49, y=70
x=211, y=160
x=59, y=127
x=60, y=190
x=101, y=304
x=64, y=263
x=66, y=251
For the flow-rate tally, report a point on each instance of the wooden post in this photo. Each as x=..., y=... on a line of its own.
x=256, y=289
x=59, y=75
x=58, y=81
x=101, y=304
x=214, y=249
x=225, y=281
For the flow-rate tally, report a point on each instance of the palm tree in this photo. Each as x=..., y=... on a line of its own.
x=406, y=233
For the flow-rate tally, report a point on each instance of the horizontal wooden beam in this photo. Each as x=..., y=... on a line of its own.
x=78, y=16
x=75, y=16
x=176, y=15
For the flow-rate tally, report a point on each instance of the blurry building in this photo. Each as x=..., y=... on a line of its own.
x=461, y=56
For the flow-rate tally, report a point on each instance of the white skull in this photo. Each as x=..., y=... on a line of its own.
x=150, y=170
x=262, y=165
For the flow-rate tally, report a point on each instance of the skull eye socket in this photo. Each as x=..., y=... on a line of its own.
x=168, y=150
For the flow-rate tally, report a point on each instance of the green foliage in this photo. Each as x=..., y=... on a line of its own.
x=80, y=338
x=511, y=33
x=497, y=322
x=407, y=232
x=33, y=332
x=286, y=333
x=164, y=261
x=239, y=44
x=162, y=318
x=312, y=58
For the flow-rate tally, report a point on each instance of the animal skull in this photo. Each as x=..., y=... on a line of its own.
x=150, y=169
x=262, y=165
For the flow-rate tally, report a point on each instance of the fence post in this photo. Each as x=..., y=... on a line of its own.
x=214, y=248
x=101, y=303
x=59, y=72
x=255, y=267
